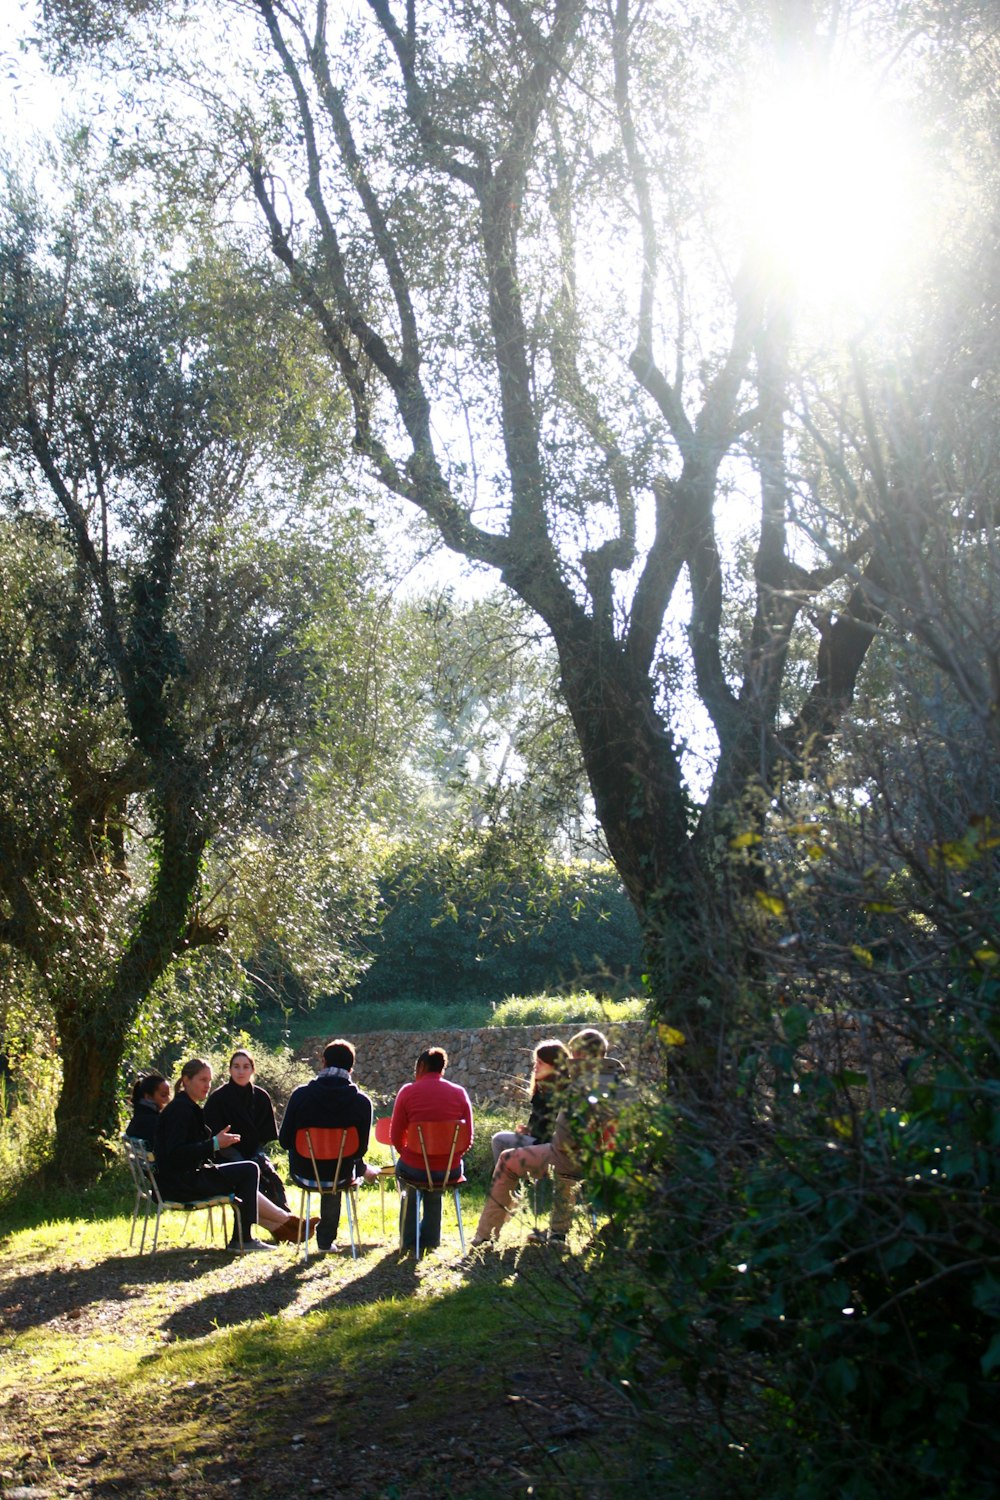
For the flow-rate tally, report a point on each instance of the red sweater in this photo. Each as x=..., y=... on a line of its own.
x=429, y=1097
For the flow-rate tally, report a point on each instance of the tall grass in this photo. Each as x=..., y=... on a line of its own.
x=332, y=1018
x=566, y=1010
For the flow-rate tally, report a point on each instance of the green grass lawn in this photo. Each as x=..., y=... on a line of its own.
x=270, y=1375
x=267, y=1375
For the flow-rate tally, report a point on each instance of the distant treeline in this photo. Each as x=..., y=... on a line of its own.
x=574, y=927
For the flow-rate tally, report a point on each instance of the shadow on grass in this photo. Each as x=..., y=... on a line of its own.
x=57, y=1292
x=386, y=1279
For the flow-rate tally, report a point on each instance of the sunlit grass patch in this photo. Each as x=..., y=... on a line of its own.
x=64, y=1362
x=583, y=1008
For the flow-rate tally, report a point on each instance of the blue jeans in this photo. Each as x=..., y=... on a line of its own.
x=430, y=1218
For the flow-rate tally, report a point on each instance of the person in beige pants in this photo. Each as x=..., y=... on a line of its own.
x=591, y=1069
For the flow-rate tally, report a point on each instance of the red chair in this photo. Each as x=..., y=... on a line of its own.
x=440, y=1138
x=382, y=1131
x=321, y=1143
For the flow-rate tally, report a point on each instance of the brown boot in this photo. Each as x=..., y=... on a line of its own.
x=289, y=1233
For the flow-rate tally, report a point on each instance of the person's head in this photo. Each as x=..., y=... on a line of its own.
x=548, y=1059
x=431, y=1060
x=588, y=1044
x=241, y=1068
x=339, y=1054
x=196, y=1079
x=151, y=1088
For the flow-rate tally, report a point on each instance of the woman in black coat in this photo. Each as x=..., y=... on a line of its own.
x=185, y=1162
x=246, y=1108
x=150, y=1094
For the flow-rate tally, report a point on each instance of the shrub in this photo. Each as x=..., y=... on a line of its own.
x=565, y=1010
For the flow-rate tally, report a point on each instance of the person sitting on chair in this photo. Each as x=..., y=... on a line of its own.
x=429, y=1097
x=548, y=1064
x=332, y=1101
x=150, y=1094
x=246, y=1108
x=591, y=1073
x=186, y=1170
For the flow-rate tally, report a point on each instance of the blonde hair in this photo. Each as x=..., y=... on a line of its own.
x=588, y=1043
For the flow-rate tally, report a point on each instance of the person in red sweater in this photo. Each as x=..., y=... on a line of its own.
x=429, y=1097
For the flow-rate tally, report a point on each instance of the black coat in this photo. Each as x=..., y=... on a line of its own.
x=248, y=1112
x=142, y=1126
x=542, y=1119
x=183, y=1148
x=333, y=1102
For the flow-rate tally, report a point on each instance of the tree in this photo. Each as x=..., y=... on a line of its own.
x=504, y=222
x=160, y=693
x=490, y=749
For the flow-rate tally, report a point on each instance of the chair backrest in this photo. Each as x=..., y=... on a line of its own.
x=383, y=1130
x=327, y=1143
x=142, y=1163
x=447, y=1138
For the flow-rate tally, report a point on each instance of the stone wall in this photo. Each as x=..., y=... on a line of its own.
x=492, y=1062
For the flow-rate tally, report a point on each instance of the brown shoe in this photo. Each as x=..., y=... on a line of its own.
x=291, y=1232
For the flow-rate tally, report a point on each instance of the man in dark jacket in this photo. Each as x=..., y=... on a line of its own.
x=332, y=1100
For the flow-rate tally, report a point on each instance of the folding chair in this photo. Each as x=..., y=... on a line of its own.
x=447, y=1138
x=322, y=1143
x=142, y=1165
x=383, y=1128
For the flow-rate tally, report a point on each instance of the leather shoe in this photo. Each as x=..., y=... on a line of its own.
x=291, y=1232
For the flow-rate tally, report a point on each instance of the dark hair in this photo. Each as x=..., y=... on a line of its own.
x=145, y=1087
x=556, y=1054
x=242, y=1052
x=432, y=1060
x=339, y=1054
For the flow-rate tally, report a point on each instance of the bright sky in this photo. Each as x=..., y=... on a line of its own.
x=30, y=101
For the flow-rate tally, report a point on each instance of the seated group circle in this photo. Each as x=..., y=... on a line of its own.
x=206, y=1142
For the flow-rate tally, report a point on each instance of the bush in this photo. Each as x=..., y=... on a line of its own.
x=579, y=1009
x=27, y=1120
x=819, y=1259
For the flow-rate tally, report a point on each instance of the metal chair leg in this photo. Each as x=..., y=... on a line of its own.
x=305, y=1201
x=352, y=1205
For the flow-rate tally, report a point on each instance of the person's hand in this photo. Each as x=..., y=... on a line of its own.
x=225, y=1137
x=372, y=1174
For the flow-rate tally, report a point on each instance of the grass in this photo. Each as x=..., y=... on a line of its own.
x=130, y=1375
x=292, y=1030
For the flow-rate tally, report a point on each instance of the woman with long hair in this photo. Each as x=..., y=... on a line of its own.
x=548, y=1067
x=186, y=1166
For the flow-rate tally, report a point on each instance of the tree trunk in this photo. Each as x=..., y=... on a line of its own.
x=691, y=940
x=92, y=1035
x=94, y=1024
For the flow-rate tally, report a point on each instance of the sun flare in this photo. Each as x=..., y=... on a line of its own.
x=831, y=182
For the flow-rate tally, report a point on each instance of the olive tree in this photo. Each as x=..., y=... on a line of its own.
x=162, y=684
x=561, y=346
